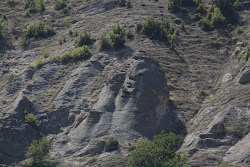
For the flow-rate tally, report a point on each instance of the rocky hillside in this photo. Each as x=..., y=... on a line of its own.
x=196, y=85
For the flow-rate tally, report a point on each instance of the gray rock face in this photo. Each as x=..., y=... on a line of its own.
x=244, y=77
x=132, y=103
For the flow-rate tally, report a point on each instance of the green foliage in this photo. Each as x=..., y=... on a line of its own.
x=197, y=17
x=111, y=145
x=104, y=42
x=227, y=9
x=45, y=54
x=35, y=5
x=217, y=19
x=60, y=4
x=38, y=64
x=237, y=5
x=129, y=35
x=1, y=30
x=153, y=28
x=39, y=30
x=173, y=40
x=117, y=36
x=31, y=119
x=65, y=57
x=38, y=150
x=247, y=55
x=177, y=21
x=40, y=5
x=67, y=21
x=161, y=152
x=203, y=93
x=138, y=27
x=201, y=9
x=205, y=24
x=83, y=39
x=174, y=6
x=81, y=53
x=122, y=3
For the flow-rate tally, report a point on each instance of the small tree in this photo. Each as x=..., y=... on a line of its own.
x=83, y=39
x=217, y=19
x=104, y=42
x=174, y=5
x=161, y=152
x=38, y=150
x=31, y=119
x=117, y=36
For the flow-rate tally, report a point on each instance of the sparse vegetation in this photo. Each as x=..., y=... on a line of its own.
x=111, y=145
x=117, y=36
x=81, y=53
x=173, y=40
x=104, y=42
x=83, y=39
x=203, y=93
x=60, y=4
x=217, y=19
x=31, y=119
x=161, y=152
x=153, y=28
x=174, y=6
x=39, y=30
x=129, y=35
x=35, y=6
x=38, y=150
x=39, y=63
x=65, y=57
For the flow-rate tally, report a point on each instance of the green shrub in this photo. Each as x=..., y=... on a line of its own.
x=111, y=145
x=173, y=40
x=203, y=93
x=38, y=150
x=67, y=21
x=1, y=29
x=65, y=57
x=197, y=17
x=40, y=5
x=39, y=30
x=237, y=5
x=122, y=3
x=201, y=9
x=138, y=27
x=161, y=152
x=153, y=28
x=247, y=55
x=177, y=21
x=104, y=42
x=117, y=36
x=129, y=35
x=129, y=5
x=45, y=54
x=81, y=53
x=174, y=6
x=31, y=119
x=217, y=19
x=60, y=4
x=205, y=24
x=83, y=39
x=38, y=64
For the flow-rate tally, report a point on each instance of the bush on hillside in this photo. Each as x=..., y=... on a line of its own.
x=81, y=53
x=217, y=19
x=205, y=24
x=174, y=6
x=161, y=152
x=117, y=36
x=31, y=119
x=39, y=30
x=104, y=42
x=111, y=145
x=38, y=150
x=153, y=28
x=83, y=39
x=60, y=4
